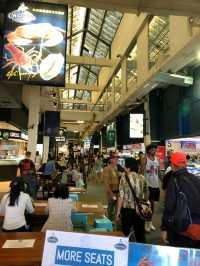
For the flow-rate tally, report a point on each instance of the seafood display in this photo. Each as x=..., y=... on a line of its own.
x=28, y=34
x=35, y=43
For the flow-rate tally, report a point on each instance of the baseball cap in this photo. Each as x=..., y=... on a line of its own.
x=178, y=159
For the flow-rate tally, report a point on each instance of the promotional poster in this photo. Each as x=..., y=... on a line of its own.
x=150, y=255
x=35, y=43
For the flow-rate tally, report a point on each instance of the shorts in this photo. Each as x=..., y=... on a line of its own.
x=154, y=194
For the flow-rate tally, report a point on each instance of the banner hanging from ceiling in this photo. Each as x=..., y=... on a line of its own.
x=34, y=48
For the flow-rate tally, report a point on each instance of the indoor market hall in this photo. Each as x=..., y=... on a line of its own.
x=99, y=133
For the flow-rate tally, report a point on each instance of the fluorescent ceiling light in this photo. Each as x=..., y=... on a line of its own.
x=80, y=122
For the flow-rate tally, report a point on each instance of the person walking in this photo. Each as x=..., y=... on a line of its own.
x=111, y=177
x=151, y=170
x=126, y=209
x=187, y=186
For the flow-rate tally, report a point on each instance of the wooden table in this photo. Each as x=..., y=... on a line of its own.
x=22, y=256
x=77, y=190
x=29, y=256
x=96, y=208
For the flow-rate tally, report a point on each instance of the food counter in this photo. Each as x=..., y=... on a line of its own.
x=8, y=169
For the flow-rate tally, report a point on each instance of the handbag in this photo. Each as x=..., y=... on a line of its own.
x=143, y=207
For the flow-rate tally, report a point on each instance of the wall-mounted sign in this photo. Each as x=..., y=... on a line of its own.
x=72, y=249
x=136, y=125
x=15, y=135
x=8, y=134
x=35, y=43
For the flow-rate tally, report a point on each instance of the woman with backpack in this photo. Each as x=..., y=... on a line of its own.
x=13, y=206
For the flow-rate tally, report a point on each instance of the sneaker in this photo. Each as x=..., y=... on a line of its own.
x=152, y=227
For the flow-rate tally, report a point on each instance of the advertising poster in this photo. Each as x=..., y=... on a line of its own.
x=136, y=126
x=34, y=48
x=160, y=154
x=150, y=255
x=73, y=249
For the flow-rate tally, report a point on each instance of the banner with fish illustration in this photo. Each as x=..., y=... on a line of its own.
x=35, y=43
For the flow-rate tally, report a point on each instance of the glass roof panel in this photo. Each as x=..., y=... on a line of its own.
x=79, y=94
x=94, y=40
x=67, y=106
x=101, y=50
x=86, y=95
x=158, y=37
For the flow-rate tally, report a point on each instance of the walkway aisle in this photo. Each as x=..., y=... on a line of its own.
x=95, y=193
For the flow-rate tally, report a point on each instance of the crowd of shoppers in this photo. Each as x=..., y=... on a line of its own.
x=139, y=180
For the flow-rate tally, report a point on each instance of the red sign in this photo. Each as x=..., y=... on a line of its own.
x=160, y=153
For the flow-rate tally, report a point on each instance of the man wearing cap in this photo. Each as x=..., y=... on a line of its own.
x=188, y=184
x=111, y=177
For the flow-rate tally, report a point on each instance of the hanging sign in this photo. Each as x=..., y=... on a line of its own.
x=34, y=49
x=73, y=249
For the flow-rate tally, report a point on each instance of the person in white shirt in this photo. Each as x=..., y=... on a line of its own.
x=38, y=161
x=13, y=206
x=151, y=169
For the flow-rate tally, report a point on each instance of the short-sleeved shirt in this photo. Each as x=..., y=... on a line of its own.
x=152, y=172
x=49, y=168
x=139, y=185
x=14, y=217
x=27, y=167
x=111, y=177
x=59, y=215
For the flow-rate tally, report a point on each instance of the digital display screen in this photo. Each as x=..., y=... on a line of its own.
x=136, y=126
x=34, y=48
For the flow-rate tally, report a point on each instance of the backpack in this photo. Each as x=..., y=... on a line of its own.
x=181, y=222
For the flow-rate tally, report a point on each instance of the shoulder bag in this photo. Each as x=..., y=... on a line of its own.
x=143, y=207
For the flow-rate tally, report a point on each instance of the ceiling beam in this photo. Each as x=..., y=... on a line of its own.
x=76, y=101
x=82, y=87
x=87, y=60
x=157, y=7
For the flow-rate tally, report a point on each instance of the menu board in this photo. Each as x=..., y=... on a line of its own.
x=35, y=43
x=136, y=125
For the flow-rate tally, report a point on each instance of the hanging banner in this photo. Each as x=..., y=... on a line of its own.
x=34, y=48
x=73, y=249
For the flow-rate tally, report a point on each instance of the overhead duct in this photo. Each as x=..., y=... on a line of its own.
x=174, y=79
